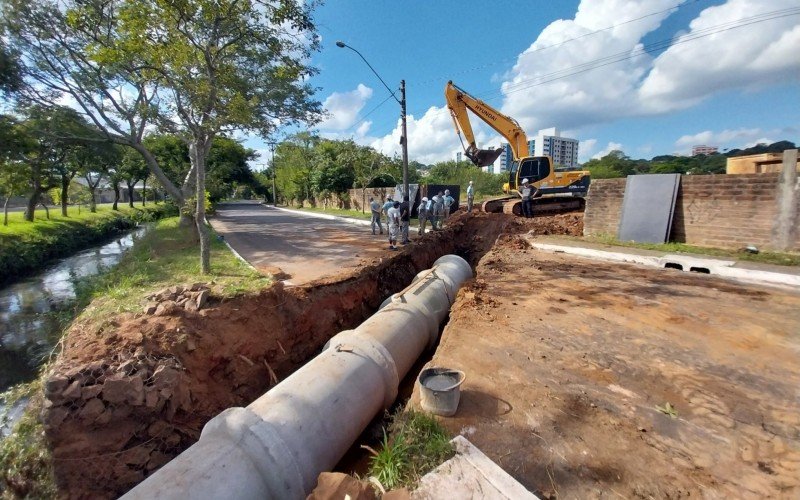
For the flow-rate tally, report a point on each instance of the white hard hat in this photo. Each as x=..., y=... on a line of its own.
x=524, y=181
x=470, y=182
x=446, y=191
x=424, y=198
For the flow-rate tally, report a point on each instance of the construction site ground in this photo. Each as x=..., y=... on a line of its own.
x=587, y=379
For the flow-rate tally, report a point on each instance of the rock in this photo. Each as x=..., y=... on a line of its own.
x=202, y=297
x=92, y=409
x=191, y=345
x=157, y=459
x=128, y=476
x=166, y=308
x=127, y=367
x=136, y=456
x=56, y=384
x=73, y=391
x=196, y=287
x=95, y=369
x=55, y=416
x=121, y=389
x=91, y=391
x=150, y=309
x=151, y=398
x=104, y=417
x=190, y=305
x=165, y=377
x=159, y=428
x=335, y=485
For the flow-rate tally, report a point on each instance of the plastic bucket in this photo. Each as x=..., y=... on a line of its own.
x=440, y=390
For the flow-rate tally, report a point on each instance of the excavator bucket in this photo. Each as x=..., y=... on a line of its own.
x=484, y=157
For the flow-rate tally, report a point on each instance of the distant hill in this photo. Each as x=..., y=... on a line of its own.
x=775, y=147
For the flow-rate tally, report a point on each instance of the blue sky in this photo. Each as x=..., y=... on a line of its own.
x=736, y=86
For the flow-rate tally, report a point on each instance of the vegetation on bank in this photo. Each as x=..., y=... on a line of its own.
x=778, y=258
x=26, y=469
x=26, y=247
x=415, y=445
x=166, y=255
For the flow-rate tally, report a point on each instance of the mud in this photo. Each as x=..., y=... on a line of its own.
x=568, y=362
x=128, y=394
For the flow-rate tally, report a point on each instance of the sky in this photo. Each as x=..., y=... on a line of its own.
x=648, y=77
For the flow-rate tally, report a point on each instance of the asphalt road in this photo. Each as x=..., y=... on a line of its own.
x=295, y=248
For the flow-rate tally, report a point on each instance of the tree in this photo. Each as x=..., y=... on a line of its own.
x=228, y=167
x=74, y=49
x=131, y=170
x=10, y=74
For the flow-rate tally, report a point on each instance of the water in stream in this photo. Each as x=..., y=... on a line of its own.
x=30, y=309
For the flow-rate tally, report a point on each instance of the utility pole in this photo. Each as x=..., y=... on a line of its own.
x=272, y=170
x=404, y=139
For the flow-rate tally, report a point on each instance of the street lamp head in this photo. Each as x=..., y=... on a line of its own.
x=340, y=43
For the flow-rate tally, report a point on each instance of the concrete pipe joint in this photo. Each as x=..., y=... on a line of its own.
x=280, y=443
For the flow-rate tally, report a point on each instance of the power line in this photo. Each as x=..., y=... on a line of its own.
x=359, y=122
x=625, y=55
x=538, y=49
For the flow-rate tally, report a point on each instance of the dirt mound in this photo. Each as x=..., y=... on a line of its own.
x=570, y=224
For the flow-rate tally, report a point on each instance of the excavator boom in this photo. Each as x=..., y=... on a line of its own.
x=459, y=101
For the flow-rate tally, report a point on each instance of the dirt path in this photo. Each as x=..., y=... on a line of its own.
x=293, y=247
x=567, y=360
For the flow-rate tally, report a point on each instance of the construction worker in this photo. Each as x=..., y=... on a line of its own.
x=438, y=210
x=448, y=202
x=422, y=212
x=393, y=216
x=470, y=196
x=386, y=206
x=375, y=207
x=405, y=220
x=528, y=192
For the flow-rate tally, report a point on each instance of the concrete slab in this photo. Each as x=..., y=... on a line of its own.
x=469, y=474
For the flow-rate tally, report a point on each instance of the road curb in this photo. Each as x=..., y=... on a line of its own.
x=356, y=222
x=716, y=267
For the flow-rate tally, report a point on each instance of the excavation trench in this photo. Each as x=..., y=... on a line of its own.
x=126, y=396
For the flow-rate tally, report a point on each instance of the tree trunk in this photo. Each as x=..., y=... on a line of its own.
x=5, y=211
x=46, y=210
x=92, y=202
x=197, y=154
x=30, y=209
x=116, y=197
x=64, y=194
x=130, y=193
x=144, y=192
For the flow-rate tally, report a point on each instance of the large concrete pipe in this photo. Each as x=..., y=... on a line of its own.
x=278, y=445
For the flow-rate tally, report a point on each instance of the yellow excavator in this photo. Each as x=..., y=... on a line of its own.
x=558, y=191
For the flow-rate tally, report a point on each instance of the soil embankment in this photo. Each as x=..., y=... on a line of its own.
x=127, y=395
x=570, y=365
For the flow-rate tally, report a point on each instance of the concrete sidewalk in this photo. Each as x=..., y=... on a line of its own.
x=751, y=272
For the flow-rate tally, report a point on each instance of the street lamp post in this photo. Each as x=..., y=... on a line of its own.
x=402, y=102
x=272, y=168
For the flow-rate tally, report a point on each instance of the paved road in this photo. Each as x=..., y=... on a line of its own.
x=304, y=248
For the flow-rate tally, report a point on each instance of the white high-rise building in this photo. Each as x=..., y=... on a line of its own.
x=562, y=150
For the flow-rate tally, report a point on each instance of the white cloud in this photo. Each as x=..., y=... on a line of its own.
x=585, y=149
x=611, y=146
x=749, y=57
x=685, y=74
x=431, y=138
x=344, y=108
x=733, y=138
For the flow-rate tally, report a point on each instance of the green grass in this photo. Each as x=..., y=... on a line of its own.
x=416, y=445
x=26, y=469
x=168, y=255
x=782, y=259
x=350, y=214
x=27, y=246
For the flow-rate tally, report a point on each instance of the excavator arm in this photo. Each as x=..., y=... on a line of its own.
x=459, y=101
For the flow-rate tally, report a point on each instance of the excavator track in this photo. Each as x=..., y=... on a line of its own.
x=541, y=206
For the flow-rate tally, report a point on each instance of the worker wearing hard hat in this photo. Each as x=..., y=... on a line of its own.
x=422, y=214
x=470, y=196
x=448, y=202
x=528, y=191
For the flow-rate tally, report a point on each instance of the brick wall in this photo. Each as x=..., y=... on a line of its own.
x=725, y=211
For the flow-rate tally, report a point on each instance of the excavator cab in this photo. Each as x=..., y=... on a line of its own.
x=533, y=168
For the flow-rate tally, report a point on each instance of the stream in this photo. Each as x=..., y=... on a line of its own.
x=31, y=312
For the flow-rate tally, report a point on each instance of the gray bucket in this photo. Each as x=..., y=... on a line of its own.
x=440, y=390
